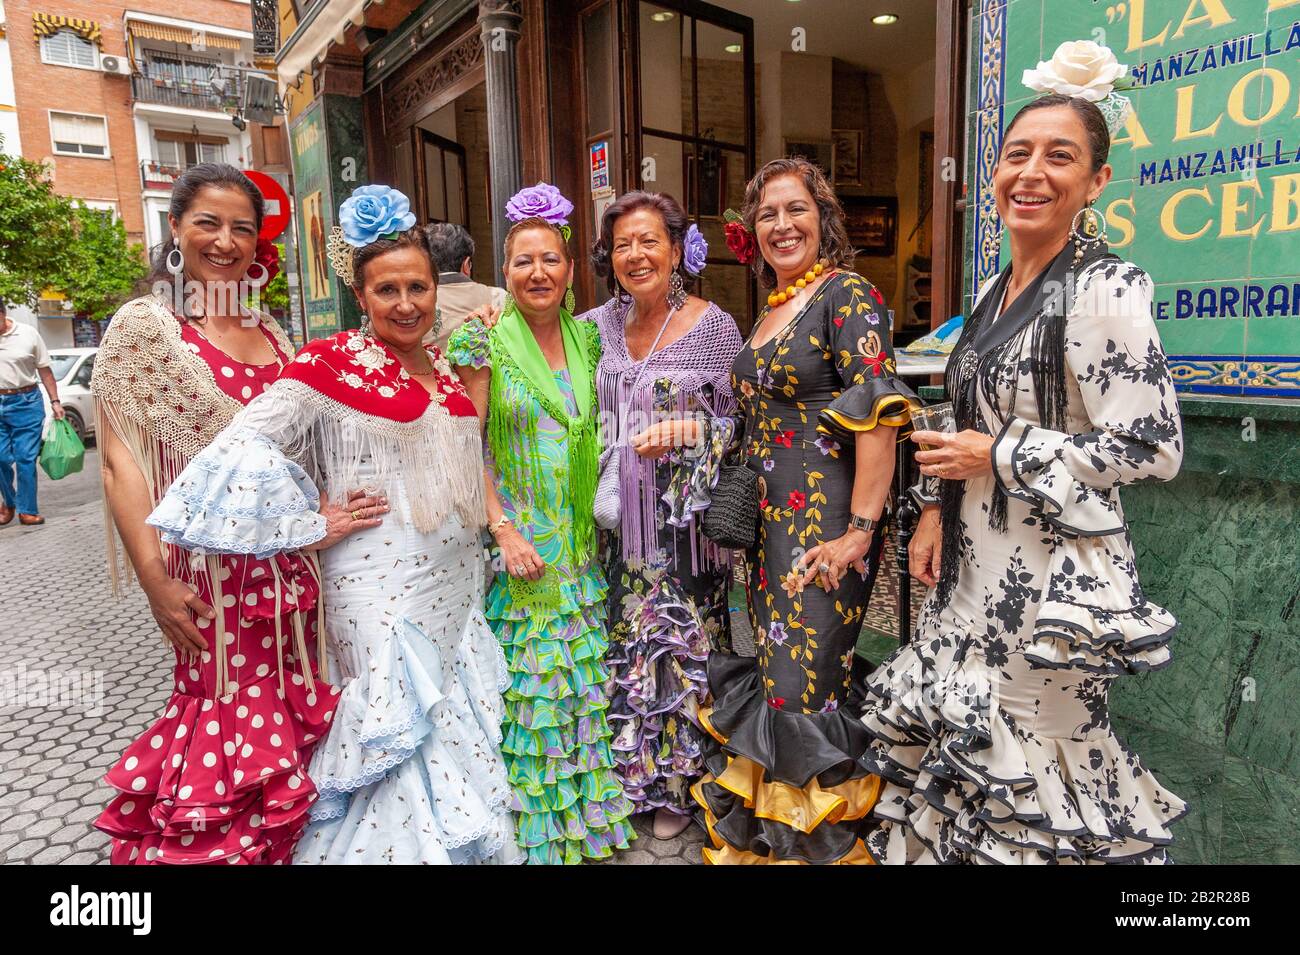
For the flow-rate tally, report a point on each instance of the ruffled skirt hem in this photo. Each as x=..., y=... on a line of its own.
x=964, y=783
x=781, y=787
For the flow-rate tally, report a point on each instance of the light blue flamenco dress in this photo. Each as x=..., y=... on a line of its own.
x=410, y=771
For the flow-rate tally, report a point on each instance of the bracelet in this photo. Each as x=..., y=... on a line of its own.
x=499, y=523
x=864, y=524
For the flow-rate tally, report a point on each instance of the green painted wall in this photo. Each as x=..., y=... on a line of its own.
x=329, y=161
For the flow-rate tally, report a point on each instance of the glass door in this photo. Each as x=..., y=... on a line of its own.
x=691, y=117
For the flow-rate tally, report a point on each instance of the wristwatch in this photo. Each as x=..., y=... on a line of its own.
x=864, y=524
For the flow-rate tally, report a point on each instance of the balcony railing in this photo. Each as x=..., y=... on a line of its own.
x=190, y=94
x=155, y=174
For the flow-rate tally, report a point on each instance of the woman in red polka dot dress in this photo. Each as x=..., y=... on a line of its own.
x=221, y=776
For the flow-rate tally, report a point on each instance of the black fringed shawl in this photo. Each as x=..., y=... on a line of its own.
x=972, y=373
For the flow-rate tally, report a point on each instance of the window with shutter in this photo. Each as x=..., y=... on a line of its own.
x=66, y=48
x=76, y=135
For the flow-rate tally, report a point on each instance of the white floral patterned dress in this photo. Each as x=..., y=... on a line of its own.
x=990, y=728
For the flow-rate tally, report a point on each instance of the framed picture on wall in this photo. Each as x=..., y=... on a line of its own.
x=821, y=154
x=846, y=156
x=872, y=223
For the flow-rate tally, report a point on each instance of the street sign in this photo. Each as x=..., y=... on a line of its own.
x=276, y=216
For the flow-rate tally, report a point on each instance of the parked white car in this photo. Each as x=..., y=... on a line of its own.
x=71, y=368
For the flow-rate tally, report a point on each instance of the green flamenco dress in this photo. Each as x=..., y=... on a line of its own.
x=543, y=445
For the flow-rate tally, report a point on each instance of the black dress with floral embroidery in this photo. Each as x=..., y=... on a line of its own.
x=785, y=783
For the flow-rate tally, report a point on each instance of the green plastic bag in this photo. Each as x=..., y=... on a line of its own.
x=62, y=453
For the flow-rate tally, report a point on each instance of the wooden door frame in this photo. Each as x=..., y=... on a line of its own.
x=950, y=62
x=419, y=136
x=632, y=127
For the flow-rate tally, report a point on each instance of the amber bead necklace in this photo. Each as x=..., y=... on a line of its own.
x=778, y=297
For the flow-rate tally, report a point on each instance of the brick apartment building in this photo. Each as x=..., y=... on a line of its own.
x=118, y=99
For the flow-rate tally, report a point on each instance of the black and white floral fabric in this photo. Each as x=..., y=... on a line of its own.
x=991, y=727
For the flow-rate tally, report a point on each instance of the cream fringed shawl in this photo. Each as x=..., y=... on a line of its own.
x=162, y=402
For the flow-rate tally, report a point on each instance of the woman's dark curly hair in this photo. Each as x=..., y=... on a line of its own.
x=675, y=224
x=414, y=236
x=835, y=247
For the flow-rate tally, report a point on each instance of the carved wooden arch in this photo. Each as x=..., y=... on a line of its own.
x=451, y=71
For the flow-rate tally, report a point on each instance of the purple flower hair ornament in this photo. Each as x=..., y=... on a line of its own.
x=542, y=201
x=695, y=250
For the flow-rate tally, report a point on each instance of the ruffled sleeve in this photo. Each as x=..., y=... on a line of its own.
x=695, y=475
x=693, y=479
x=1114, y=356
x=856, y=336
x=240, y=495
x=468, y=346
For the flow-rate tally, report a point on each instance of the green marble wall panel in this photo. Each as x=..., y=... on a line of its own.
x=344, y=124
x=1261, y=815
x=1219, y=546
x=1187, y=562
x=1196, y=775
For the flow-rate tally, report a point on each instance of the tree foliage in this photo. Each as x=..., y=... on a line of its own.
x=275, y=297
x=35, y=229
x=100, y=268
x=52, y=241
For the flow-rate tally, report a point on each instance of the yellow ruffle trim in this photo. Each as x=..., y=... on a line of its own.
x=724, y=854
x=891, y=411
x=800, y=809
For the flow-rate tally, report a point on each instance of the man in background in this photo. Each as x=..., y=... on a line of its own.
x=458, y=294
x=23, y=358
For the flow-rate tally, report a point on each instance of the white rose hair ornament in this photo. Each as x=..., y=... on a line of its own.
x=544, y=201
x=1085, y=70
x=369, y=214
x=1089, y=71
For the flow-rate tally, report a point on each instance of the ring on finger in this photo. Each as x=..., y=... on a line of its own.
x=824, y=568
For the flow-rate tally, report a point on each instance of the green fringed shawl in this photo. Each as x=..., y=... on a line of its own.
x=522, y=379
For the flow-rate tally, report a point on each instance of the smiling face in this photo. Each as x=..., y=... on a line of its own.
x=218, y=234
x=1044, y=175
x=399, y=295
x=643, y=255
x=788, y=227
x=537, y=271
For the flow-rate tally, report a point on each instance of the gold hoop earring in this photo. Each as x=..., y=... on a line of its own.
x=1094, y=233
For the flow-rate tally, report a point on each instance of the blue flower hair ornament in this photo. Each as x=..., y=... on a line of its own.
x=371, y=213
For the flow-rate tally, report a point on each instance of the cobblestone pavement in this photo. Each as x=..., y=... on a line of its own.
x=58, y=618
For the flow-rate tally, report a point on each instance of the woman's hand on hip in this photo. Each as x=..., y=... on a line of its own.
x=518, y=556
x=925, y=550
x=174, y=605
x=361, y=512
x=832, y=559
x=954, y=457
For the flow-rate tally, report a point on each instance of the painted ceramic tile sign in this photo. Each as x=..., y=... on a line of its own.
x=1206, y=188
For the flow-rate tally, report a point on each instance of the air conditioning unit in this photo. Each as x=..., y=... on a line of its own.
x=118, y=65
